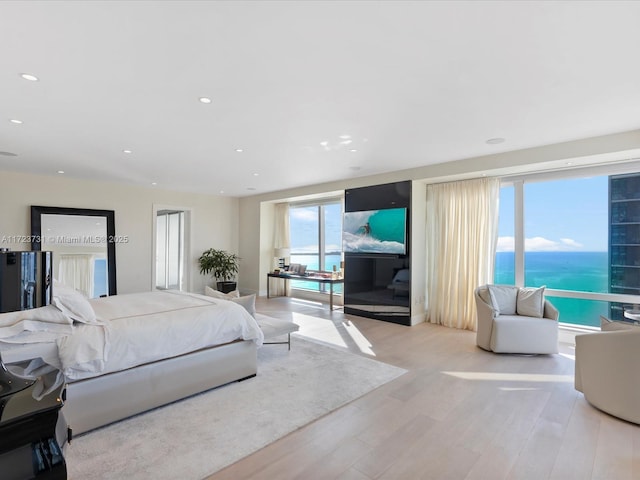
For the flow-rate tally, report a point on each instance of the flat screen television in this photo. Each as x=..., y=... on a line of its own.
x=375, y=231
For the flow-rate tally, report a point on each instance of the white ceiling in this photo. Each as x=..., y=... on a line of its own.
x=409, y=83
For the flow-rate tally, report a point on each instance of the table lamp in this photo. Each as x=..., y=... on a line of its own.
x=280, y=253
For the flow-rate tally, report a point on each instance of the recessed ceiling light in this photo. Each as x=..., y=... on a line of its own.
x=8, y=154
x=28, y=76
x=153, y=183
x=16, y=121
x=127, y=151
x=256, y=174
x=205, y=99
x=353, y=150
x=239, y=150
x=221, y=192
x=60, y=172
x=495, y=141
x=345, y=137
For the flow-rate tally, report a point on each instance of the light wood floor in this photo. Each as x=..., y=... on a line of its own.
x=459, y=413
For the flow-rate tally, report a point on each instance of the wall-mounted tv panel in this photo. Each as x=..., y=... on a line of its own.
x=377, y=253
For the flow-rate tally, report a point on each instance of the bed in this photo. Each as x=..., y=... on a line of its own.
x=125, y=354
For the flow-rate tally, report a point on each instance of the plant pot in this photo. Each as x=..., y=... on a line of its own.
x=226, y=287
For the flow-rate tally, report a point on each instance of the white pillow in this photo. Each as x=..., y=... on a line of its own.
x=248, y=302
x=503, y=298
x=530, y=302
x=210, y=292
x=73, y=304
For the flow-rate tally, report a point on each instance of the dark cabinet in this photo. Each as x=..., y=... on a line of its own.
x=378, y=285
x=33, y=431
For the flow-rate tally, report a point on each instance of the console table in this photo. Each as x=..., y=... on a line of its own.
x=330, y=281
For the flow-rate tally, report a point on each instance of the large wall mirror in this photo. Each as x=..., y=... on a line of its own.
x=83, y=244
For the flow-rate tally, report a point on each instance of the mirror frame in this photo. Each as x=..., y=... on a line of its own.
x=36, y=232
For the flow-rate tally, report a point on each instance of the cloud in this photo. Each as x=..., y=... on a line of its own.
x=304, y=214
x=506, y=244
x=539, y=244
x=307, y=249
x=571, y=243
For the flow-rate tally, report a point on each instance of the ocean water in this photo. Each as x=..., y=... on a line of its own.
x=313, y=263
x=375, y=231
x=583, y=271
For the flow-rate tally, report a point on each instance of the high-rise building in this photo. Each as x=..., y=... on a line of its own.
x=624, y=239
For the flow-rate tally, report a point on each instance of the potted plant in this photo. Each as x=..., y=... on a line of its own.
x=222, y=265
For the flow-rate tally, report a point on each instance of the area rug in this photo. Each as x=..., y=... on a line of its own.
x=198, y=436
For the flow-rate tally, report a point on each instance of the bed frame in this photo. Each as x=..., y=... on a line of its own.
x=98, y=401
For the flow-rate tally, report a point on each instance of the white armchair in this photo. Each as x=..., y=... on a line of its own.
x=607, y=371
x=515, y=320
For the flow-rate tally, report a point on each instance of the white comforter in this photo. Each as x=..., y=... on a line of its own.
x=140, y=328
x=37, y=325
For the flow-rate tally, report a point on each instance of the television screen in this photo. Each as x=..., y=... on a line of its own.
x=375, y=231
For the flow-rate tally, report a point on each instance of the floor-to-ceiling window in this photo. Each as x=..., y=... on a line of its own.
x=555, y=231
x=316, y=239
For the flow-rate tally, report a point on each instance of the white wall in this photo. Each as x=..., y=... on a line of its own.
x=214, y=220
x=418, y=251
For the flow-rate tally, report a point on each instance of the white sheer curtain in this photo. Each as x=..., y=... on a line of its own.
x=462, y=232
x=281, y=239
x=76, y=271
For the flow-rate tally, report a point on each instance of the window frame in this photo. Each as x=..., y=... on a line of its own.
x=518, y=181
x=319, y=204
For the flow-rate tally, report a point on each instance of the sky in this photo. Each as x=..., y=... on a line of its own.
x=563, y=215
x=304, y=228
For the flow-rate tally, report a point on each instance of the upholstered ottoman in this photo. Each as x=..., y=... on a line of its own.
x=274, y=327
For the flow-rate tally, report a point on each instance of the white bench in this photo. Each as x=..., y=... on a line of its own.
x=274, y=327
